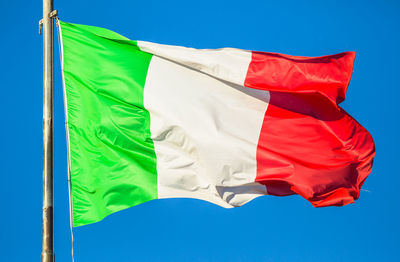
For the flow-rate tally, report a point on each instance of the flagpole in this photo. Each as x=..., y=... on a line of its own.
x=48, y=142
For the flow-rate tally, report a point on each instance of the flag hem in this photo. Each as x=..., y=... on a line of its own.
x=66, y=125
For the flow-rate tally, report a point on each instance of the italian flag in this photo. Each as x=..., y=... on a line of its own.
x=148, y=121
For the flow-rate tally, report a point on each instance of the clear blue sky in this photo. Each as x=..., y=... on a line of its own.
x=267, y=229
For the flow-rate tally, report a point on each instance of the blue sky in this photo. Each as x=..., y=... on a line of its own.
x=267, y=229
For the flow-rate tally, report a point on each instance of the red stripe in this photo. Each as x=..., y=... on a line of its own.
x=308, y=145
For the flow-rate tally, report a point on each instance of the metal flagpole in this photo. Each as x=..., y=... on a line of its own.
x=48, y=101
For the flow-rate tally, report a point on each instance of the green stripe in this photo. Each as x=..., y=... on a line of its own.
x=112, y=158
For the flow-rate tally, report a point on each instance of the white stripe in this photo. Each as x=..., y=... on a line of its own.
x=205, y=131
x=228, y=64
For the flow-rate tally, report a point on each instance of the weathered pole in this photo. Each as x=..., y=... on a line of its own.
x=48, y=142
